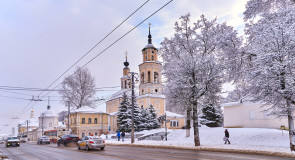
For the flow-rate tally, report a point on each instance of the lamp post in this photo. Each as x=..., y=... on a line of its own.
x=132, y=102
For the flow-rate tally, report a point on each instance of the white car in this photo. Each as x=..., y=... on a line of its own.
x=12, y=141
x=91, y=142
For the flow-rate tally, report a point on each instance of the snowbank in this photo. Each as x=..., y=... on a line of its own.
x=243, y=140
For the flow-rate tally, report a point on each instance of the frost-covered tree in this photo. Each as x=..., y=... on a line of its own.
x=143, y=118
x=152, y=121
x=124, y=116
x=78, y=89
x=212, y=116
x=271, y=75
x=195, y=59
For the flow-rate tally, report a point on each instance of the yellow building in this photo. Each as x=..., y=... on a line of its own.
x=150, y=91
x=88, y=121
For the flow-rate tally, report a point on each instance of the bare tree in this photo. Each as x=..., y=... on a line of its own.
x=78, y=89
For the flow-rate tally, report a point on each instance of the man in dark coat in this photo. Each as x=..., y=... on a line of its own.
x=226, y=134
x=123, y=135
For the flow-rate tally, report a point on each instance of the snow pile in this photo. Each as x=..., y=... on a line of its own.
x=248, y=140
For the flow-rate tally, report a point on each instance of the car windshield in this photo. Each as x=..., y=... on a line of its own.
x=44, y=137
x=10, y=138
x=72, y=135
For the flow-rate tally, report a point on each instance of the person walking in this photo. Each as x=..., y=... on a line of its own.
x=123, y=135
x=226, y=136
x=118, y=135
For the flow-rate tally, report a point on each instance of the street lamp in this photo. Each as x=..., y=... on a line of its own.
x=132, y=102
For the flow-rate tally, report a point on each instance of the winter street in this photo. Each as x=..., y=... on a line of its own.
x=32, y=151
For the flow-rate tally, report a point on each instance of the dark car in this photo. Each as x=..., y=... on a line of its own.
x=68, y=138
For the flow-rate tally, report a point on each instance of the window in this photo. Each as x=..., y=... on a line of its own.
x=96, y=133
x=146, y=56
x=142, y=91
x=95, y=120
x=251, y=114
x=156, y=90
x=142, y=77
x=83, y=120
x=149, y=77
x=89, y=133
x=156, y=77
x=83, y=134
x=89, y=120
x=152, y=58
x=125, y=84
x=174, y=123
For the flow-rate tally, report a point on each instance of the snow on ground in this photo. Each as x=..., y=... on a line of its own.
x=253, y=139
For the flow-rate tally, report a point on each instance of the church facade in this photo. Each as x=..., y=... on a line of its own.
x=150, y=90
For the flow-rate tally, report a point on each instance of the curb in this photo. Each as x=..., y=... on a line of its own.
x=200, y=148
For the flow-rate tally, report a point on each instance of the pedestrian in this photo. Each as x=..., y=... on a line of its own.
x=123, y=135
x=226, y=136
x=118, y=135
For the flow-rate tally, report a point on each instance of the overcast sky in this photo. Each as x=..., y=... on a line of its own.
x=40, y=39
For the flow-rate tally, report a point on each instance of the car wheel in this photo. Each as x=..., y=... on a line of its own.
x=7, y=146
x=87, y=148
x=40, y=142
x=102, y=148
x=65, y=144
x=48, y=142
x=58, y=144
x=79, y=147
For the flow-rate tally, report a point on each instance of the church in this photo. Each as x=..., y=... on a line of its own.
x=149, y=92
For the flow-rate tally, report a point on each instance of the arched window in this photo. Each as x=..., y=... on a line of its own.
x=142, y=91
x=122, y=84
x=89, y=133
x=156, y=90
x=125, y=84
x=83, y=135
x=96, y=133
x=146, y=56
x=152, y=57
x=142, y=78
x=149, y=77
x=156, y=77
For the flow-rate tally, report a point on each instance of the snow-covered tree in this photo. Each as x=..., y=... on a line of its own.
x=194, y=62
x=152, y=121
x=78, y=89
x=212, y=116
x=124, y=116
x=137, y=119
x=271, y=75
x=143, y=119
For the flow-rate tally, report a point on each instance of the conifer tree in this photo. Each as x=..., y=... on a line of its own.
x=143, y=119
x=124, y=118
x=152, y=118
x=211, y=116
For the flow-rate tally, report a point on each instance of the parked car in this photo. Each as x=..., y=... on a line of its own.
x=12, y=141
x=91, y=142
x=1, y=142
x=68, y=138
x=43, y=139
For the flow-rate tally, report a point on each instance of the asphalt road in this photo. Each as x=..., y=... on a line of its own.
x=32, y=151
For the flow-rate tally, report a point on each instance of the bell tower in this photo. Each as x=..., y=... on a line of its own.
x=125, y=81
x=150, y=87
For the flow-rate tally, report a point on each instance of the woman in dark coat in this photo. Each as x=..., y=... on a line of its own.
x=226, y=134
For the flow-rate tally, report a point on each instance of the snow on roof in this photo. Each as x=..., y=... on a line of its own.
x=61, y=125
x=113, y=113
x=86, y=109
x=120, y=93
x=31, y=123
x=152, y=95
x=171, y=114
x=245, y=100
x=48, y=113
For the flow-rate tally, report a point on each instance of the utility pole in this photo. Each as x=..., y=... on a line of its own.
x=165, y=127
x=27, y=128
x=68, y=115
x=42, y=124
x=132, y=103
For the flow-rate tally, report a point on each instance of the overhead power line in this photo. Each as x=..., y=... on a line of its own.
x=106, y=48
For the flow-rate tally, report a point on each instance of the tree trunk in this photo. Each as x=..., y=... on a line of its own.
x=291, y=125
x=188, y=122
x=196, y=125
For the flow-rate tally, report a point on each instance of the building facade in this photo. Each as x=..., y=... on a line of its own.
x=247, y=114
x=149, y=92
x=88, y=121
x=48, y=120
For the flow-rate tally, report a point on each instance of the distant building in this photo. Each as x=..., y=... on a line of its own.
x=247, y=114
x=48, y=119
x=88, y=121
x=26, y=127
